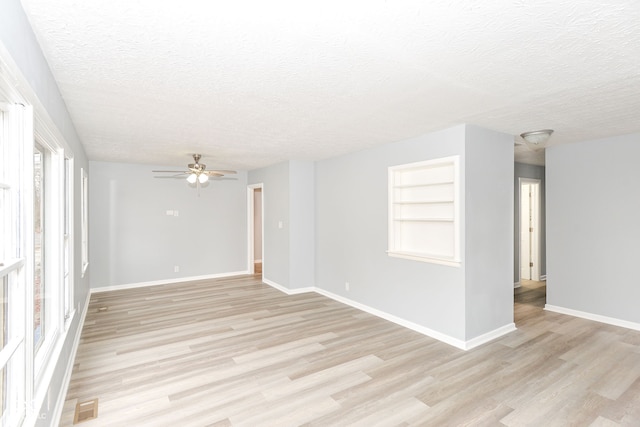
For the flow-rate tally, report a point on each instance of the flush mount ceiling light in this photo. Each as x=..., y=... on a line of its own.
x=536, y=139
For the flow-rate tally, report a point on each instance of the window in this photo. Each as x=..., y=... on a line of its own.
x=48, y=251
x=84, y=219
x=68, y=242
x=39, y=281
x=14, y=140
x=424, y=211
x=36, y=248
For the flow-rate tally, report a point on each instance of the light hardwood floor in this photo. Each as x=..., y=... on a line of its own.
x=237, y=352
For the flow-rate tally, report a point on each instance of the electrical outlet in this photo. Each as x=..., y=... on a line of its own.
x=176, y=268
x=346, y=286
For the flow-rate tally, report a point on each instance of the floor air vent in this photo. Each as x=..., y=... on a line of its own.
x=86, y=411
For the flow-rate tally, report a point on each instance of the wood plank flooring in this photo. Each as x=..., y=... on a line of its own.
x=235, y=352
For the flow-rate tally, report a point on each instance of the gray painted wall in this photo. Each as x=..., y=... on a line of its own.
x=488, y=230
x=351, y=237
x=275, y=199
x=533, y=172
x=18, y=39
x=352, y=232
x=133, y=240
x=288, y=192
x=592, y=226
x=302, y=218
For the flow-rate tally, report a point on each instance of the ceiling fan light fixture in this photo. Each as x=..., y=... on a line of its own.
x=202, y=178
x=191, y=179
x=536, y=138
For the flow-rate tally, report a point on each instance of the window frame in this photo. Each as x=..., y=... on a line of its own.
x=16, y=130
x=84, y=219
x=34, y=123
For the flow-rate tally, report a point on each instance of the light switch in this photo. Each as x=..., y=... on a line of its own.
x=279, y=224
x=175, y=213
x=169, y=213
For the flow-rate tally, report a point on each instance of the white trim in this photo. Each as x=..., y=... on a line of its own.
x=595, y=317
x=516, y=285
x=287, y=290
x=397, y=320
x=250, y=224
x=424, y=258
x=536, y=248
x=543, y=278
x=56, y=414
x=166, y=281
x=462, y=345
x=489, y=336
x=84, y=220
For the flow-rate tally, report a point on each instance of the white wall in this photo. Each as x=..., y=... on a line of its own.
x=133, y=240
x=593, y=232
x=18, y=40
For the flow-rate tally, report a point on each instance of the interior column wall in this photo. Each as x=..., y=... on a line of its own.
x=488, y=231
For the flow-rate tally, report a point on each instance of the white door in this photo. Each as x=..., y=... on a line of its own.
x=529, y=229
x=525, y=233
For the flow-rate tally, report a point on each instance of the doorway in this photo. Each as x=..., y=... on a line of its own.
x=255, y=226
x=530, y=293
x=529, y=229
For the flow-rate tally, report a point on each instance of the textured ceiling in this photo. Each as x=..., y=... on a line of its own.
x=252, y=83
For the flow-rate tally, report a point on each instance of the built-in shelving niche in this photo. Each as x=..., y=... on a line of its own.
x=424, y=221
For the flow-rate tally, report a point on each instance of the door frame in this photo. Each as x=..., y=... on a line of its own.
x=535, y=219
x=250, y=227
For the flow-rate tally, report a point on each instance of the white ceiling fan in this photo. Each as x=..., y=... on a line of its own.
x=197, y=172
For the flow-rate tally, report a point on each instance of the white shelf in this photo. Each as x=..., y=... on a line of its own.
x=423, y=202
x=423, y=211
x=425, y=219
x=428, y=184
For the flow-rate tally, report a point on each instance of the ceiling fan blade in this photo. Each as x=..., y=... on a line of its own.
x=171, y=171
x=222, y=171
x=213, y=173
x=179, y=176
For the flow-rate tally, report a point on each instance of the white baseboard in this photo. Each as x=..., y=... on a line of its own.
x=397, y=320
x=287, y=290
x=543, y=278
x=165, y=282
x=595, y=317
x=516, y=285
x=489, y=336
x=462, y=345
x=62, y=397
